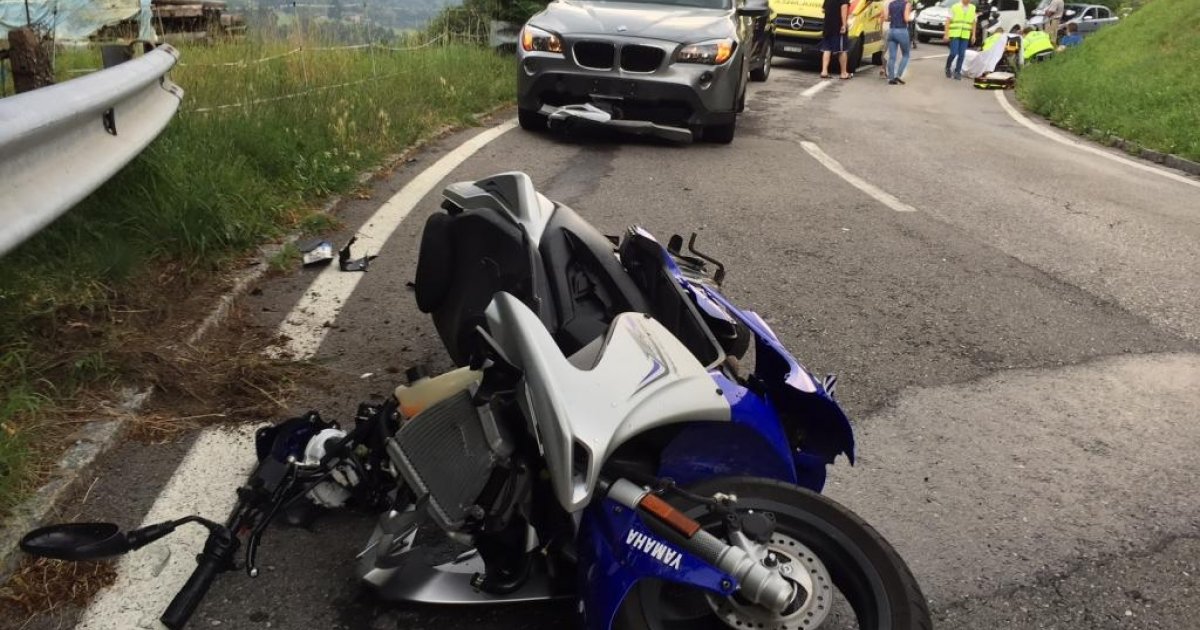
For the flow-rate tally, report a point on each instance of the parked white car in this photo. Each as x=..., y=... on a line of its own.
x=931, y=22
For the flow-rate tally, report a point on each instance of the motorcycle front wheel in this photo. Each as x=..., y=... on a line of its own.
x=840, y=560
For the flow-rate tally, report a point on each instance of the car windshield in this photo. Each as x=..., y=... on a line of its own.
x=699, y=4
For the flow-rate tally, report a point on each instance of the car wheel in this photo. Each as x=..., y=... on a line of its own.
x=877, y=59
x=720, y=134
x=531, y=120
x=856, y=53
x=762, y=72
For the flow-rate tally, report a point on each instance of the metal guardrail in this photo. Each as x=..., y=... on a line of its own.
x=61, y=142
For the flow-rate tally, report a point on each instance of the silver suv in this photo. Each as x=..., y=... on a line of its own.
x=670, y=68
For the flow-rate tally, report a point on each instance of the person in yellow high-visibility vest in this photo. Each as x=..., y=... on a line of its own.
x=960, y=34
x=1035, y=42
x=991, y=40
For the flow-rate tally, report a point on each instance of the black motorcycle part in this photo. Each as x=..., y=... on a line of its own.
x=871, y=576
x=757, y=526
x=668, y=302
x=506, y=562
x=217, y=557
x=288, y=438
x=588, y=284
x=434, y=263
x=465, y=260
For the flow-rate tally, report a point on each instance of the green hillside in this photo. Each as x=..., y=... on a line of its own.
x=1139, y=79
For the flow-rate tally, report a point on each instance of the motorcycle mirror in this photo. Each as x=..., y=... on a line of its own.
x=76, y=541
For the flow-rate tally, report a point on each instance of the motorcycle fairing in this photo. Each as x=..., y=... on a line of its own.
x=619, y=550
x=500, y=234
x=644, y=378
x=796, y=395
x=789, y=385
x=753, y=444
x=512, y=194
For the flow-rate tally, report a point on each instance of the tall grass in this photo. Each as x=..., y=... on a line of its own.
x=1138, y=79
x=253, y=147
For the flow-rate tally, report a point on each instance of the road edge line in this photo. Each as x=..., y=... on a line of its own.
x=1061, y=139
x=854, y=180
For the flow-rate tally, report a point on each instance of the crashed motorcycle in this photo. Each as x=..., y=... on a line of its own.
x=618, y=433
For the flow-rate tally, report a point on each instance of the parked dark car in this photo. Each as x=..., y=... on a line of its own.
x=669, y=68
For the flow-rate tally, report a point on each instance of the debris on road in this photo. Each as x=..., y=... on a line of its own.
x=315, y=252
x=361, y=264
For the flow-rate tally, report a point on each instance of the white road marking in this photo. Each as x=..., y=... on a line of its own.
x=147, y=579
x=812, y=91
x=1040, y=130
x=854, y=180
x=933, y=56
x=304, y=327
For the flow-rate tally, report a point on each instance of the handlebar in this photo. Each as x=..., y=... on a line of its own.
x=216, y=558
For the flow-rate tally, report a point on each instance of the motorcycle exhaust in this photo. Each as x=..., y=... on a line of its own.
x=756, y=582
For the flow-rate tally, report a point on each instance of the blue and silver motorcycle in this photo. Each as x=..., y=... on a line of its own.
x=618, y=432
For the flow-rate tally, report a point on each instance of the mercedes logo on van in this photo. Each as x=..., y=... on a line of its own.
x=797, y=23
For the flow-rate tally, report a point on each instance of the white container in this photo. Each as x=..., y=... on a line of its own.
x=427, y=391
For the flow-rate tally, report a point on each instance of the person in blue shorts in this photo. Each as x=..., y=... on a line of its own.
x=834, y=38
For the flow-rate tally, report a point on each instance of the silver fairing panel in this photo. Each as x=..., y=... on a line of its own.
x=644, y=378
x=511, y=194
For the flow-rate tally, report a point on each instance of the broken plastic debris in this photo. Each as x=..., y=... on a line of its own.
x=315, y=251
x=346, y=264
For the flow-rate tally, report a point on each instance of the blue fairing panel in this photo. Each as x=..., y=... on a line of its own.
x=797, y=397
x=618, y=550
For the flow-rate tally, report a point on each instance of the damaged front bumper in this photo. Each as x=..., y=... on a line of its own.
x=588, y=115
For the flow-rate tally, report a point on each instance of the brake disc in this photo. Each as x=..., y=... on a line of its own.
x=799, y=565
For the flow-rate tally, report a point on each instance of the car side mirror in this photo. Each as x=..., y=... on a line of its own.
x=754, y=9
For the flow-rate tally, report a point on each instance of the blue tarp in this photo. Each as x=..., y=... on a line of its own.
x=74, y=19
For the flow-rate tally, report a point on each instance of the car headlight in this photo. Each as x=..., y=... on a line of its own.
x=713, y=53
x=534, y=38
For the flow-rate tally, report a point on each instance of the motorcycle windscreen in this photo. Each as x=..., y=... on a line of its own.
x=644, y=378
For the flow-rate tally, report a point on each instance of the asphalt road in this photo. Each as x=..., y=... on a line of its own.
x=1020, y=353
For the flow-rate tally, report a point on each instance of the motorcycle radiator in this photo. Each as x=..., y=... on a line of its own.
x=448, y=452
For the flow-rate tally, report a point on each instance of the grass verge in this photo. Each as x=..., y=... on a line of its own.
x=1138, y=79
x=255, y=145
